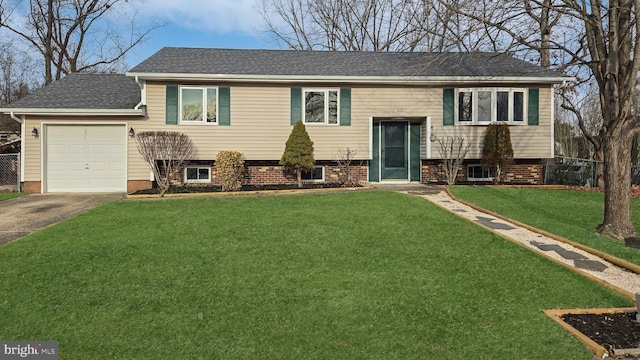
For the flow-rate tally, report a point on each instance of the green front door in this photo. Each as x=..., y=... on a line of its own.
x=394, y=159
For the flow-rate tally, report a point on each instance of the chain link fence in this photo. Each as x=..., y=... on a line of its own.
x=9, y=172
x=578, y=172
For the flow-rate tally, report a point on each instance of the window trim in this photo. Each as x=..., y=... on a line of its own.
x=494, y=105
x=315, y=180
x=490, y=178
x=326, y=106
x=204, y=108
x=197, y=181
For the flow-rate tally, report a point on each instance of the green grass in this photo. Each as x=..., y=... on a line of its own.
x=571, y=214
x=10, y=195
x=362, y=275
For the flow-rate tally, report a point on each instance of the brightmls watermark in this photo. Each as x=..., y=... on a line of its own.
x=31, y=350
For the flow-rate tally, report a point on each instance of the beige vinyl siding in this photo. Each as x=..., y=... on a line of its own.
x=260, y=126
x=32, y=151
x=529, y=142
x=396, y=102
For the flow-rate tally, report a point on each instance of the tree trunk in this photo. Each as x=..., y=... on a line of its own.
x=617, y=186
x=299, y=175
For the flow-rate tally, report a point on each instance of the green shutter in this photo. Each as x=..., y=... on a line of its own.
x=414, y=156
x=224, y=106
x=534, y=106
x=448, y=107
x=296, y=105
x=345, y=107
x=172, y=105
x=374, y=163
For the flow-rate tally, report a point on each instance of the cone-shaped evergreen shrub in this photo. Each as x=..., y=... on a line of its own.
x=298, y=153
x=497, y=152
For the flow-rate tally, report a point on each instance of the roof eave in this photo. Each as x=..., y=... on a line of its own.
x=391, y=80
x=73, y=112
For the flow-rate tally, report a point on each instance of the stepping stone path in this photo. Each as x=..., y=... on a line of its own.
x=569, y=255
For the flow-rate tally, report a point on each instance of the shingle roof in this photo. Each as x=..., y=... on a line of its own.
x=84, y=91
x=335, y=63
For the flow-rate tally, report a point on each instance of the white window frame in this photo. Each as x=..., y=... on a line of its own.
x=490, y=178
x=204, y=105
x=494, y=106
x=197, y=181
x=326, y=106
x=316, y=180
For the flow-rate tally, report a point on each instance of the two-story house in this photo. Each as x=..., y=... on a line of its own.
x=388, y=108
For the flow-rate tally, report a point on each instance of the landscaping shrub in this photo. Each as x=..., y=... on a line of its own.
x=230, y=169
x=298, y=153
x=497, y=151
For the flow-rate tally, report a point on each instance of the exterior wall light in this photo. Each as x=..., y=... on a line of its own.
x=34, y=132
x=132, y=132
x=433, y=137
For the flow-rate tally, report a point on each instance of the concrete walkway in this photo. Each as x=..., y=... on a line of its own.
x=593, y=266
x=26, y=214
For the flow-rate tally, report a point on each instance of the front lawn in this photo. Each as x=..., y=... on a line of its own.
x=10, y=195
x=360, y=275
x=569, y=213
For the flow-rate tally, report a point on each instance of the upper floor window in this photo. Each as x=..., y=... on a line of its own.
x=198, y=105
x=483, y=106
x=321, y=106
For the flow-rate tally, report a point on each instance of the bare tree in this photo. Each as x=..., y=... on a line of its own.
x=71, y=35
x=344, y=158
x=598, y=39
x=165, y=152
x=453, y=150
x=16, y=81
x=369, y=25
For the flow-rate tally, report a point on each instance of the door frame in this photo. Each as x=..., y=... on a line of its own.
x=413, y=133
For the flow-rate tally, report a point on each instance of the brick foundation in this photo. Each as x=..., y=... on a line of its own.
x=525, y=172
x=270, y=173
x=33, y=187
x=135, y=185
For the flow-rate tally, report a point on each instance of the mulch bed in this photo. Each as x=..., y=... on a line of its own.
x=611, y=331
x=213, y=188
x=635, y=190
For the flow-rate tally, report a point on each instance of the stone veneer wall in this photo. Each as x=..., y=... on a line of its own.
x=527, y=172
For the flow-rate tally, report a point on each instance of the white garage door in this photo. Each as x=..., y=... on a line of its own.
x=86, y=158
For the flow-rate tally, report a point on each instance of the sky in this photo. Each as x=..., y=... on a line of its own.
x=200, y=23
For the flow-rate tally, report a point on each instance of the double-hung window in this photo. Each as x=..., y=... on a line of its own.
x=198, y=105
x=321, y=106
x=484, y=106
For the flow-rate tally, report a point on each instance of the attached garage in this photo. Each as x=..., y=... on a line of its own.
x=85, y=158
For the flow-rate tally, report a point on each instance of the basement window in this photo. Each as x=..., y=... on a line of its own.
x=194, y=174
x=478, y=173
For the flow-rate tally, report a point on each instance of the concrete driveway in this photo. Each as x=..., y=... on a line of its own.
x=26, y=214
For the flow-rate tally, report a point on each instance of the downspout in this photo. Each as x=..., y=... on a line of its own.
x=23, y=129
x=14, y=117
x=141, y=84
